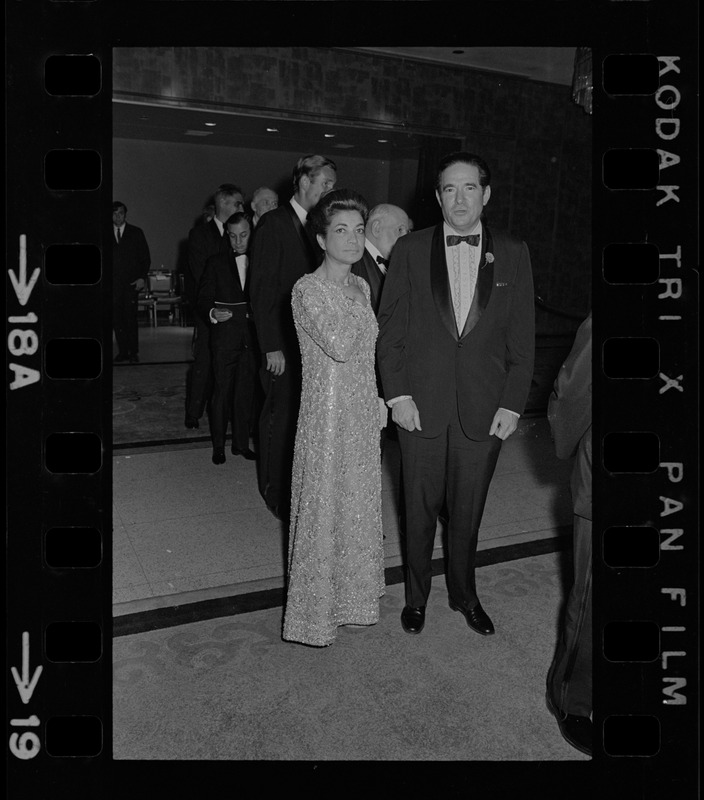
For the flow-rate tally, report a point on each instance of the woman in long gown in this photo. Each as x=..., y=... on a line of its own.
x=335, y=555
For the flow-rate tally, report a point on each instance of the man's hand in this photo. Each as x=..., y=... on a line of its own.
x=276, y=362
x=503, y=424
x=220, y=314
x=139, y=284
x=405, y=414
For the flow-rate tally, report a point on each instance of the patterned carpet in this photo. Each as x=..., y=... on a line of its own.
x=231, y=689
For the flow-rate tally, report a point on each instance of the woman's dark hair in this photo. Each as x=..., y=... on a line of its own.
x=333, y=202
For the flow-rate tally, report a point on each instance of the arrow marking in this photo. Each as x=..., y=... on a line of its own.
x=25, y=686
x=23, y=289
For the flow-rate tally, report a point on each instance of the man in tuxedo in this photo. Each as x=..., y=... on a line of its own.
x=264, y=199
x=455, y=350
x=130, y=263
x=385, y=225
x=283, y=250
x=205, y=240
x=569, y=683
x=222, y=300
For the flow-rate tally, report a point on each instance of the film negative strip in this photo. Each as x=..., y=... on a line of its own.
x=59, y=384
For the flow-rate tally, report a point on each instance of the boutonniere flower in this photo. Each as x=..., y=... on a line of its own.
x=488, y=259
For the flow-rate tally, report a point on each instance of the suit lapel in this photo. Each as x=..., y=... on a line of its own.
x=485, y=283
x=303, y=235
x=373, y=276
x=440, y=283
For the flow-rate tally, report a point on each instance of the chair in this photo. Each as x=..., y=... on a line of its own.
x=161, y=286
x=148, y=303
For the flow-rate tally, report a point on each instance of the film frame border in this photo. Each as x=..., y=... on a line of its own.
x=35, y=492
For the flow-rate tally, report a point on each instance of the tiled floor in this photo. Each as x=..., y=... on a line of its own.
x=186, y=530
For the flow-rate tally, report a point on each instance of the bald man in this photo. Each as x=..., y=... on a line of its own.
x=264, y=199
x=385, y=226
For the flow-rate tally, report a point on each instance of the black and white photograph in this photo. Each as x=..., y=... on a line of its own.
x=352, y=398
x=334, y=427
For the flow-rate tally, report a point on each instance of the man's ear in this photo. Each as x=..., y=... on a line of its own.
x=487, y=194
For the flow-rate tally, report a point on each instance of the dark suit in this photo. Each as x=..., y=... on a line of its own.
x=570, y=417
x=457, y=382
x=204, y=241
x=368, y=269
x=282, y=251
x=130, y=261
x=232, y=351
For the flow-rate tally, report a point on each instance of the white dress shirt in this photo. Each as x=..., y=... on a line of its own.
x=301, y=213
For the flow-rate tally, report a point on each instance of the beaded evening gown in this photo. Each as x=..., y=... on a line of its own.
x=335, y=558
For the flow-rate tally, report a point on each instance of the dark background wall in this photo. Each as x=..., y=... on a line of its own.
x=165, y=185
x=537, y=141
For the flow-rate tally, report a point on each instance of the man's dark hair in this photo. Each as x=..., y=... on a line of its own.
x=238, y=216
x=117, y=204
x=462, y=157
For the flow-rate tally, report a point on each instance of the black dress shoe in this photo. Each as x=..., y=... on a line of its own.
x=413, y=619
x=120, y=357
x=191, y=422
x=575, y=729
x=250, y=455
x=477, y=619
x=218, y=455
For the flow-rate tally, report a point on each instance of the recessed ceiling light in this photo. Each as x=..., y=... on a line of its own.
x=272, y=130
x=382, y=140
x=329, y=135
x=211, y=124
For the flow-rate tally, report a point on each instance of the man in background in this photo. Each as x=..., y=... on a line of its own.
x=131, y=261
x=264, y=199
x=283, y=250
x=205, y=240
x=385, y=225
x=222, y=299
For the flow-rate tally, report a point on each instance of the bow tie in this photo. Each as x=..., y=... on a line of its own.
x=382, y=260
x=472, y=239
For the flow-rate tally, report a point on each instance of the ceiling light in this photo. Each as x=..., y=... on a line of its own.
x=383, y=141
x=329, y=135
x=272, y=130
x=211, y=124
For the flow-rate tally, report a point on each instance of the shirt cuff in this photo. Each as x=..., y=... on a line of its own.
x=391, y=403
x=211, y=317
x=515, y=413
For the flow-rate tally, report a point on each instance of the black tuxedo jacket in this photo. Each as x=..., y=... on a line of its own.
x=130, y=258
x=368, y=269
x=221, y=281
x=420, y=352
x=203, y=241
x=281, y=252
